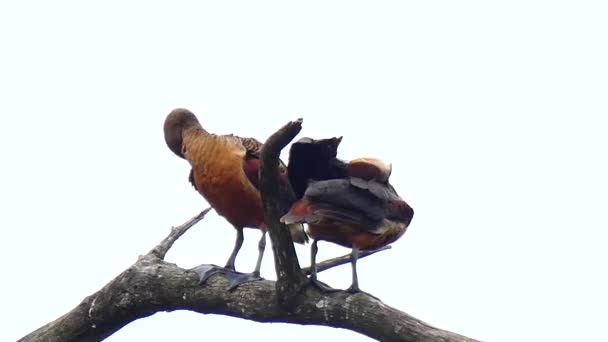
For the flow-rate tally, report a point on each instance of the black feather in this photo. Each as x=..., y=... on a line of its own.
x=191, y=179
x=311, y=159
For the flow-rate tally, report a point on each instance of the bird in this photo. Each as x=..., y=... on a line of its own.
x=348, y=203
x=225, y=171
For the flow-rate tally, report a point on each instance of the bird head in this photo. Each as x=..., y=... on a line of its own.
x=178, y=122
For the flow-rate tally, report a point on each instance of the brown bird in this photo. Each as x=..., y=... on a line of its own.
x=225, y=171
x=351, y=204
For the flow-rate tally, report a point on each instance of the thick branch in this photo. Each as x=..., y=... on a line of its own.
x=290, y=278
x=152, y=285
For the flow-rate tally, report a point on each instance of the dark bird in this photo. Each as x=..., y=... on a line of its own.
x=225, y=171
x=351, y=204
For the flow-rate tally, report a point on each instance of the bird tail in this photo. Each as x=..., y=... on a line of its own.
x=297, y=233
x=295, y=223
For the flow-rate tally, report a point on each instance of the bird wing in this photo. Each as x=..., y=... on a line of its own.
x=251, y=145
x=341, y=200
x=311, y=159
x=251, y=166
x=253, y=148
x=354, y=218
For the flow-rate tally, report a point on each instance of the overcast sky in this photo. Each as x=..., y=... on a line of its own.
x=492, y=114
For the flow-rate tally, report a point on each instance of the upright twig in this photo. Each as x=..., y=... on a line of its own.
x=290, y=277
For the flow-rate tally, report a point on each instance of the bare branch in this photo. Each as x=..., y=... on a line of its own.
x=152, y=285
x=163, y=247
x=331, y=263
x=290, y=278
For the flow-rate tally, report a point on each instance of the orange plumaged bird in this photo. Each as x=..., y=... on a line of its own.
x=225, y=171
x=351, y=204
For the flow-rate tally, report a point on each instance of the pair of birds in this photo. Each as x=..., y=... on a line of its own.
x=351, y=204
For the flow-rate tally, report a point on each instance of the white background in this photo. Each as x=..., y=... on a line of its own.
x=492, y=114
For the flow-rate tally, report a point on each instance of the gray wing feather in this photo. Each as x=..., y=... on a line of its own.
x=341, y=195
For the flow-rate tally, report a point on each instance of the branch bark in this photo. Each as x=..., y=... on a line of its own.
x=290, y=278
x=151, y=285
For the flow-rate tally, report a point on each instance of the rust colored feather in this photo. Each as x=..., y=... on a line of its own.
x=225, y=171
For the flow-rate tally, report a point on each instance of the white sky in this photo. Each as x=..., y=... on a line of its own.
x=491, y=114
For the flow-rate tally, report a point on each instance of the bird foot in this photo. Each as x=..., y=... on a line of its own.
x=206, y=270
x=235, y=278
x=353, y=289
x=238, y=278
x=356, y=289
x=322, y=286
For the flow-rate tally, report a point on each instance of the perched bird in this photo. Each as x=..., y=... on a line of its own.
x=225, y=171
x=351, y=204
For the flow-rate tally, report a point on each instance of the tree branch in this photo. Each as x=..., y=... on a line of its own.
x=331, y=263
x=290, y=278
x=152, y=285
x=176, y=232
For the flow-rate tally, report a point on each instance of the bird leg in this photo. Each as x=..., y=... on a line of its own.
x=313, y=256
x=354, y=254
x=313, y=269
x=261, y=248
x=354, y=288
x=237, y=247
x=240, y=278
x=206, y=271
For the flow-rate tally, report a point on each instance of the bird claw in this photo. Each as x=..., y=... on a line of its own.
x=205, y=271
x=237, y=278
x=234, y=278
x=322, y=286
x=355, y=289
